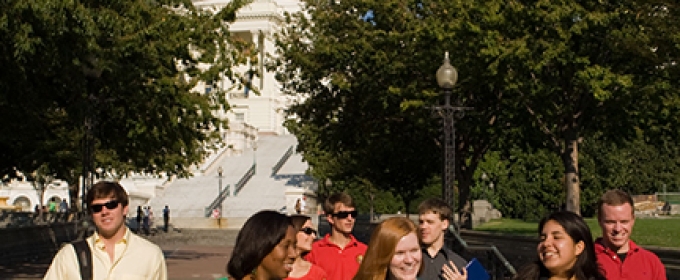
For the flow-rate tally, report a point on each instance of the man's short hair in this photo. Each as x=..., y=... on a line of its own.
x=106, y=189
x=615, y=198
x=436, y=206
x=329, y=205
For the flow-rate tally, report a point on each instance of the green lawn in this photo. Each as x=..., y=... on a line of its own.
x=647, y=232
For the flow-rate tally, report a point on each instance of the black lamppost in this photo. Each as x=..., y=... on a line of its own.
x=447, y=78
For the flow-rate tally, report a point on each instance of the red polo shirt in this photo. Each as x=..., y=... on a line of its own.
x=639, y=263
x=339, y=263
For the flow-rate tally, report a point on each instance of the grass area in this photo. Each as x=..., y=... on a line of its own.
x=647, y=232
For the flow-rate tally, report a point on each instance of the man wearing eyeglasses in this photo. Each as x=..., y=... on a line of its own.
x=116, y=252
x=339, y=253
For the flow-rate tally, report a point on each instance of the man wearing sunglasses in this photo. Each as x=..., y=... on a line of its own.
x=116, y=252
x=339, y=253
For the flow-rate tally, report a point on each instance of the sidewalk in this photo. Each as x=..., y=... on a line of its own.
x=196, y=262
x=185, y=262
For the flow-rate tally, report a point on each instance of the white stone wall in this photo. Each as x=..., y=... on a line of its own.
x=257, y=22
x=24, y=194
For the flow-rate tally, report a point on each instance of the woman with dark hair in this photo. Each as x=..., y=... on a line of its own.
x=566, y=250
x=302, y=269
x=393, y=252
x=265, y=248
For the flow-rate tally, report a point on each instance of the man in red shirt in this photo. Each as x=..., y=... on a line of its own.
x=339, y=253
x=618, y=256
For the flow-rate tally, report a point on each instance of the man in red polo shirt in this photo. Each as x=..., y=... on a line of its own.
x=339, y=253
x=618, y=256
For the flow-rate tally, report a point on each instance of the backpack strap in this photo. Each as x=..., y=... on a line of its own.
x=84, y=259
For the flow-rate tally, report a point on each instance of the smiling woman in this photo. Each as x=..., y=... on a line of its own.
x=393, y=252
x=265, y=248
x=566, y=250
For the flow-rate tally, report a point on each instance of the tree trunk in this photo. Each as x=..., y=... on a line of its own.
x=571, y=175
x=41, y=191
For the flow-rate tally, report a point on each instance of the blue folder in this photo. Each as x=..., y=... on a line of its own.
x=476, y=271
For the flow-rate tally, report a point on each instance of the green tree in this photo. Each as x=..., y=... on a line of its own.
x=526, y=183
x=522, y=182
x=540, y=73
x=125, y=68
x=366, y=72
x=581, y=68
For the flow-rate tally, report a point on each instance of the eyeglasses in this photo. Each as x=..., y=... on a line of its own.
x=111, y=204
x=345, y=214
x=308, y=231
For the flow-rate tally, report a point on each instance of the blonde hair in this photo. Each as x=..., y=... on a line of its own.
x=381, y=248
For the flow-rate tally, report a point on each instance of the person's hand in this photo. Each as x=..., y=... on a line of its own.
x=450, y=272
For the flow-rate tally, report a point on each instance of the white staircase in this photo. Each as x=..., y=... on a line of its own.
x=188, y=198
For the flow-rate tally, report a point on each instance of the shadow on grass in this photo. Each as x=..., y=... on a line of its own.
x=511, y=231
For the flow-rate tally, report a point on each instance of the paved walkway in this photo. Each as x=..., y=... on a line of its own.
x=196, y=262
x=185, y=262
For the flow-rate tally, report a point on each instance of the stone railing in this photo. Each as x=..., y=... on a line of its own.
x=217, y=202
x=489, y=255
x=282, y=161
x=244, y=180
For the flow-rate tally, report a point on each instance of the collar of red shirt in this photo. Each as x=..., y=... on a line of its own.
x=601, y=248
x=326, y=242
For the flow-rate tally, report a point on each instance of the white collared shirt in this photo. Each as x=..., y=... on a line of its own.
x=134, y=258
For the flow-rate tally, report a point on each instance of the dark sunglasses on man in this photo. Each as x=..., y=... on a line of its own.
x=111, y=204
x=308, y=231
x=345, y=214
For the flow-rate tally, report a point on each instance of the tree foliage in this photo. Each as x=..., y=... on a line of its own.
x=127, y=68
x=366, y=72
x=526, y=183
x=543, y=74
x=583, y=68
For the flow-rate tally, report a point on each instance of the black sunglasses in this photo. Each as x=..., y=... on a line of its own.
x=345, y=214
x=308, y=231
x=111, y=204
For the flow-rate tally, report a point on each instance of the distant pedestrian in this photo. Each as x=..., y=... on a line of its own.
x=53, y=210
x=145, y=219
x=63, y=209
x=52, y=206
x=150, y=218
x=43, y=213
x=298, y=207
x=140, y=214
x=63, y=206
x=303, y=204
x=166, y=218
x=36, y=212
